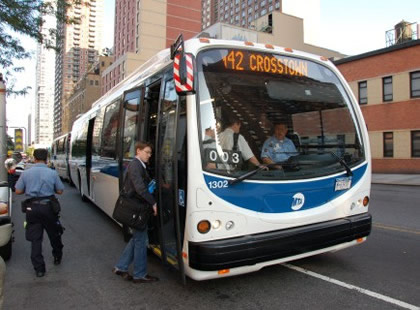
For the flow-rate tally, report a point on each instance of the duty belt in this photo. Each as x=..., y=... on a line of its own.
x=43, y=202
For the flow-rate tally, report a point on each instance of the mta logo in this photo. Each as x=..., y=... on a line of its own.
x=298, y=201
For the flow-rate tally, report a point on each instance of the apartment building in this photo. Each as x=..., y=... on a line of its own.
x=79, y=43
x=145, y=27
x=245, y=13
x=44, y=89
x=386, y=83
x=241, y=13
x=88, y=89
x=293, y=38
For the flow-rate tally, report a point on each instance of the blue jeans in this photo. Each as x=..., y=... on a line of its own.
x=135, y=252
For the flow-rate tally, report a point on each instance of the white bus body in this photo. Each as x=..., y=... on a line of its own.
x=218, y=214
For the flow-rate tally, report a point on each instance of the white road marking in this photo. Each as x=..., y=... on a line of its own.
x=394, y=301
x=395, y=228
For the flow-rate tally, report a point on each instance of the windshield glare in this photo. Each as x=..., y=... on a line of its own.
x=288, y=113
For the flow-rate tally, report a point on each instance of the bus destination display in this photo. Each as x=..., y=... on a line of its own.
x=258, y=62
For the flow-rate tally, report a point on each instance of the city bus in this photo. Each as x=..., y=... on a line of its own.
x=60, y=149
x=218, y=214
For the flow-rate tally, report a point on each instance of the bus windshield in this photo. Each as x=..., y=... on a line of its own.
x=291, y=114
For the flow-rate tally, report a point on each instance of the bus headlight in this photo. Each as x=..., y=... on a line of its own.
x=203, y=226
x=216, y=224
x=229, y=225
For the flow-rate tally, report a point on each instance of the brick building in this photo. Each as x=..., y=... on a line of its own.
x=87, y=90
x=386, y=83
x=145, y=27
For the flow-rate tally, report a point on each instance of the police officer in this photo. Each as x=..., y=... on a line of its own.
x=40, y=183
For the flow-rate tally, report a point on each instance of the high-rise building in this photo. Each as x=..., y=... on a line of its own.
x=241, y=13
x=87, y=90
x=44, y=88
x=79, y=43
x=245, y=13
x=145, y=27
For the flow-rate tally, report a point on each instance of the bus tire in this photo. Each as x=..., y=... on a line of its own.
x=6, y=250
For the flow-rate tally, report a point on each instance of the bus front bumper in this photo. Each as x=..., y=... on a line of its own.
x=257, y=248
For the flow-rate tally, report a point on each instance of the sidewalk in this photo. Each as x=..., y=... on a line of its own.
x=396, y=179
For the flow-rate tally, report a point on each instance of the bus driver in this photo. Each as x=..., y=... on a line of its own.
x=278, y=148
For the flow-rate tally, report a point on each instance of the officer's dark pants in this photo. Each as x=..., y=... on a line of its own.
x=40, y=217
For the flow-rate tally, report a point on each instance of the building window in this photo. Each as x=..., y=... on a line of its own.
x=388, y=144
x=415, y=84
x=415, y=143
x=363, y=92
x=387, y=88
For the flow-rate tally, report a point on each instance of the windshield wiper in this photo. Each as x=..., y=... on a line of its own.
x=343, y=163
x=247, y=175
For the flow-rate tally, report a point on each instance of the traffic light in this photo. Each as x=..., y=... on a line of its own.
x=18, y=140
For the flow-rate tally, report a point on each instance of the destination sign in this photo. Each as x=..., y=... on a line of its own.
x=261, y=62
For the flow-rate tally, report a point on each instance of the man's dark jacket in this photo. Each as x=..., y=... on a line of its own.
x=136, y=182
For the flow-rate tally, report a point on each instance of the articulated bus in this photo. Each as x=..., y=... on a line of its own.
x=60, y=150
x=218, y=214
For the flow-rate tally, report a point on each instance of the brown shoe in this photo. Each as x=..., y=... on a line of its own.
x=124, y=274
x=146, y=279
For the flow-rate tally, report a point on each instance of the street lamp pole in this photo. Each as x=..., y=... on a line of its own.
x=3, y=137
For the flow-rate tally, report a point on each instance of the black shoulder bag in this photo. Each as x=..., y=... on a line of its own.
x=131, y=211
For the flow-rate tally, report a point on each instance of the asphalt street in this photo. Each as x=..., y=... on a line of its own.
x=381, y=273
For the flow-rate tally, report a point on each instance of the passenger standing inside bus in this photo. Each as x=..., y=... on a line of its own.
x=231, y=139
x=136, y=184
x=278, y=148
x=41, y=182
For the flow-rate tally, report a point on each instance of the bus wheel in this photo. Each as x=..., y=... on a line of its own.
x=6, y=250
x=126, y=233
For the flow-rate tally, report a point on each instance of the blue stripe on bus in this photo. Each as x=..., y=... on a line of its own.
x=111, y=170
x=278, y=197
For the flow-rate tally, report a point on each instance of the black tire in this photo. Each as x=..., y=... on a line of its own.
x=126, y=233
x=6, y=250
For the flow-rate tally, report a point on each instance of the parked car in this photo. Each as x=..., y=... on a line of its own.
x=6, y=226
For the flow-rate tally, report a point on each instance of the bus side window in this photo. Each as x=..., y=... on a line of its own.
x=110, y=130
x=96, y=135
x=131, y=114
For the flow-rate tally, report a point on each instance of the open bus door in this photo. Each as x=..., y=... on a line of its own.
x=162, y=128
x=129, y=133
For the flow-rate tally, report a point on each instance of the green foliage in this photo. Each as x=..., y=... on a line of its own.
x=10, y=143
x=26, y=17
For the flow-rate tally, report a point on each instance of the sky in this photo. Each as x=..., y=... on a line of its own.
x=350, y=27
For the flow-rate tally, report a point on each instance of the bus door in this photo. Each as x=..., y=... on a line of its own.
x=129, y=130
x=89, y=153
x=129, y=134
x=165, y=161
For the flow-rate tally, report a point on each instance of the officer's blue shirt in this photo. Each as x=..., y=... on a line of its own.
x=39, y=181
x=278, y=150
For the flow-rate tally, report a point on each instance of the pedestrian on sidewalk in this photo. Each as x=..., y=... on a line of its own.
x=40, y=183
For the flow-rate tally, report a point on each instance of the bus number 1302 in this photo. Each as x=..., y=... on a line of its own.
x=218, y=184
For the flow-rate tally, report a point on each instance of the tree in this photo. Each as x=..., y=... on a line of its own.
x=26, y=17
x=10, y=143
